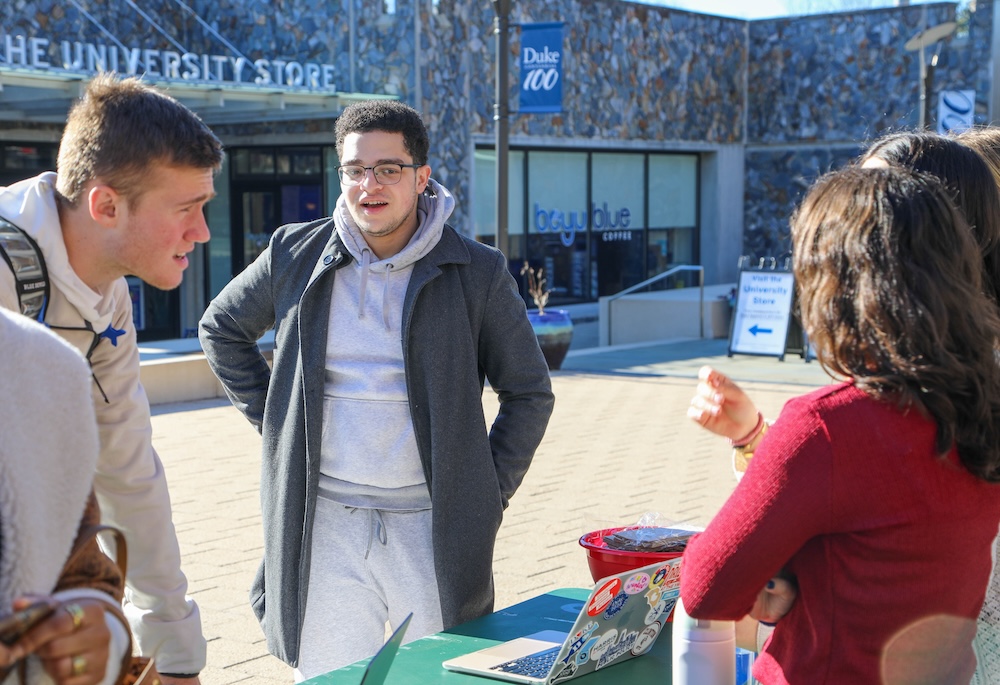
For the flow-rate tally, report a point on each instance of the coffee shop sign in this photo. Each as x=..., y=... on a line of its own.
x=40, y=53
x=568, y=224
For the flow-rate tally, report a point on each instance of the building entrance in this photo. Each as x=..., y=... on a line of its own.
x=270, y=188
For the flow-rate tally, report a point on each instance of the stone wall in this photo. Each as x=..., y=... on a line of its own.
x=817, y=88
x=822, y=87
x=632, y=72
x=775, y=182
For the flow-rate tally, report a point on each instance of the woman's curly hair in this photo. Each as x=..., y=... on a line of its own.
x=890, y=293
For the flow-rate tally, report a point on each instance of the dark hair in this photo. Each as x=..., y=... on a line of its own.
x=985, y=140
x=973, y=186
x=391, y=116
x=119, y=129
x=889, y=280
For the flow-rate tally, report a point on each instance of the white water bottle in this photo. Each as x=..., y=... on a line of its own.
x=704, y=652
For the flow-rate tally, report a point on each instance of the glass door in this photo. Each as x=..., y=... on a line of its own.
x=272, y=187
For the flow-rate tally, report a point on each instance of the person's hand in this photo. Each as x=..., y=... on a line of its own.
x=721, y=406
x=774, y=601
x=8, y=657
x=169, y=680
x=72, y=643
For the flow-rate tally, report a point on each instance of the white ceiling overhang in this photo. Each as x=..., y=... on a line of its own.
x=46, y=95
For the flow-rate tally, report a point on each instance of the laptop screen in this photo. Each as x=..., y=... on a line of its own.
x=378, y=667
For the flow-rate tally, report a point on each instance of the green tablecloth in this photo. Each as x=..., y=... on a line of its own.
x=419, y=662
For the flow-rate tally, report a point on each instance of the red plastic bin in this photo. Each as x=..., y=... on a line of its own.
x=604, y=561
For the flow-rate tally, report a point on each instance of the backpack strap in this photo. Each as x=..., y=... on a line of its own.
x=25, y=260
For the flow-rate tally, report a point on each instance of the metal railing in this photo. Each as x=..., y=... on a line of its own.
x=659, y=277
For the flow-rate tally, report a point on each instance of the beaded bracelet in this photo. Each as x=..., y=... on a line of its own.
x=743, y=442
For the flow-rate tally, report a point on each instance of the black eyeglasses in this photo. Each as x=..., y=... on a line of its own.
x=387, y=174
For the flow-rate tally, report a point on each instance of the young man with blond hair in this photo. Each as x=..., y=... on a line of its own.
x=134, y=172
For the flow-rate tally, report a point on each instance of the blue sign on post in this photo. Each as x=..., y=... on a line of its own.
x=541, y=68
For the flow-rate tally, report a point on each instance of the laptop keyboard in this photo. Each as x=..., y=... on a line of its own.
x=535, y=665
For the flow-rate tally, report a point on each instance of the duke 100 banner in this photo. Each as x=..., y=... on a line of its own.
x=541, y=68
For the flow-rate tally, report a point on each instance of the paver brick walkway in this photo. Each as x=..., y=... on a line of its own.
x=618, y=446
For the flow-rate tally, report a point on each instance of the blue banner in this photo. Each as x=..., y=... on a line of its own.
x=541, y=68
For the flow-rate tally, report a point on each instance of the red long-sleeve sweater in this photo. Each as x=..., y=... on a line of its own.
x=889, y=542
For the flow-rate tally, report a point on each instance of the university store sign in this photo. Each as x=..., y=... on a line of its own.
x=42, y=54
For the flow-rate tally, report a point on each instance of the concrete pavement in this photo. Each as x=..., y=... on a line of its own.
x=618, y=446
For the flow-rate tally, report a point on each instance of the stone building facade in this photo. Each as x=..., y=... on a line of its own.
x=684, y=138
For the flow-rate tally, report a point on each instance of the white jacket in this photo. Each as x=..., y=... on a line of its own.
x=47, y=458
x=130, y=483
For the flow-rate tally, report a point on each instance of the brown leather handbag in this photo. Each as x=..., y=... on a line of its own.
x=88, y=566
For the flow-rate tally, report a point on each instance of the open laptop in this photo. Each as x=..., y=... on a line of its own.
x=621, y=619
x=378, y=667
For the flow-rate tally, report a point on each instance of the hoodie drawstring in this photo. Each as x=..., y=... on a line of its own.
x=385, y=297
x=366, y=260
x=376, y=528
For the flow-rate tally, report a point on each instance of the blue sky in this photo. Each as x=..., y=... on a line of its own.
x=758, y=9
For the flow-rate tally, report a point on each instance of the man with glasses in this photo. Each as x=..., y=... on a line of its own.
x=382, y=486
x=135, y=169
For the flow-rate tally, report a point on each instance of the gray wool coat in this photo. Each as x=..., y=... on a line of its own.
x=463, y=321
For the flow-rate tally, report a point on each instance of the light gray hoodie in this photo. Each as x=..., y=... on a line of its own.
x=369, y=454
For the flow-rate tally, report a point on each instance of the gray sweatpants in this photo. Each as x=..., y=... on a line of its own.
x=369, y=566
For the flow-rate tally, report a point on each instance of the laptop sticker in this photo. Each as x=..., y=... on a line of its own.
x=646, y=638
x=623, y=647
x=637, y=583
x=602, y=598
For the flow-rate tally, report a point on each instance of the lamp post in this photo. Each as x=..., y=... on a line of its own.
x=931, y=36
x=501, y=117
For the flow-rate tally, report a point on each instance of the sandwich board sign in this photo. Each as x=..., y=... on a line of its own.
x=761, y=313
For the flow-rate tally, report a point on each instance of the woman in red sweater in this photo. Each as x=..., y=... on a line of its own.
x=875, y=494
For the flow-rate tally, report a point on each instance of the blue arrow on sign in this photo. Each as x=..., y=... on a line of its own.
x=755, y=330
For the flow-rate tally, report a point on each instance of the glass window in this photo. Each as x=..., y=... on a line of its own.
x=29, y=157
x=669, y=248
x=617, y=220
x=683, y=246
x=220, y=256
x=306, y=162
x=616, y=260
x=332, y=187
x=240, y=160
x=596, y=221
x=557, y=194
x=252, y=161
x=617, y=197
x=558, y=221
x=283, y=162
x=261, y=162
x=673, y=191
x=260, y=210
x=484, y=206
x=300, y=202
x=485, y=202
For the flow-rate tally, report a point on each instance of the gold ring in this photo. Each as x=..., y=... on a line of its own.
x=79, y=665
x=75, y=612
